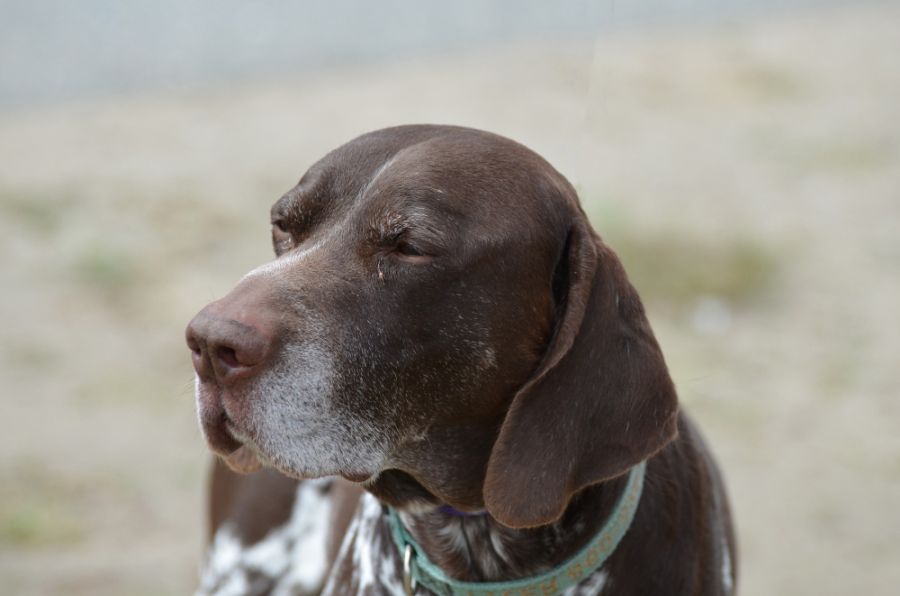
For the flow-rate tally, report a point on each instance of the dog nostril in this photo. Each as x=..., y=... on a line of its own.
x=194, y=347
x=224, y=350
x=228, y=357
x=192, y=343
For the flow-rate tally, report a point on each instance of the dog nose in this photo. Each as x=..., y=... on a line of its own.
x=225, y=350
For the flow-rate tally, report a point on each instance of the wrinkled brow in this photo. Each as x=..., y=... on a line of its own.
x=426, y=220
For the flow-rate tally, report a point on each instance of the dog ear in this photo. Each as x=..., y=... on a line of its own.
x=600, y=402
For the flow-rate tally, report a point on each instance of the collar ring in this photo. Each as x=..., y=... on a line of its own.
x=409, y=582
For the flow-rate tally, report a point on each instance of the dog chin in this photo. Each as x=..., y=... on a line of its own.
x=356, y=477
x=297, y=470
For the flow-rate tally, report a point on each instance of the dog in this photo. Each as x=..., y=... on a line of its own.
x=445, y=383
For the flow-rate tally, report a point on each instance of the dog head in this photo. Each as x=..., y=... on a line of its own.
x=439, y=314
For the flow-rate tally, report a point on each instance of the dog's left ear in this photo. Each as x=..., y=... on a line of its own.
x=600, y=402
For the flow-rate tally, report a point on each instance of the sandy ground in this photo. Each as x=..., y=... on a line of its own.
x=749, y=175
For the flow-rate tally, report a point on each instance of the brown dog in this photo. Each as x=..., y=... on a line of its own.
x=443, y=328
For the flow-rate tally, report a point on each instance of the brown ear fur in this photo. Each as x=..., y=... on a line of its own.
x=600, y=402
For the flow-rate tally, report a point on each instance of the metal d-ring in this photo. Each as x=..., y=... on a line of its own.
x=409, y=582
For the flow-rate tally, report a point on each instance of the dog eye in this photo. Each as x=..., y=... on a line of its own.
x=281, y=239
x=407, y=249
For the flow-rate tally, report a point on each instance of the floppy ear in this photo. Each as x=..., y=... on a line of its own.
x=600, y=402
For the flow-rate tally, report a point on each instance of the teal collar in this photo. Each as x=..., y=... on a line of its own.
x=417, y=569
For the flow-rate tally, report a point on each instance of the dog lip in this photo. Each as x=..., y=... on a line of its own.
x=217, y=425
x=236, y=433
x=220, y=439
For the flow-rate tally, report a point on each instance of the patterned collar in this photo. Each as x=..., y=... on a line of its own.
x=417, y=569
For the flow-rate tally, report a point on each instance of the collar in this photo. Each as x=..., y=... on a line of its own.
x=417, y=569
x=448, y=510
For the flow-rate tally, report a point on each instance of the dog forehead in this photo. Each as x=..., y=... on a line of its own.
x=497, y=189
x=473, y=174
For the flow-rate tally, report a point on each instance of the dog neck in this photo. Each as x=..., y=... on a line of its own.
x=476, y=548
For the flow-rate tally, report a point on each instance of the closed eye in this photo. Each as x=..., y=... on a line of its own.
x=282, y=240
x=407, y=249
x=394, y=236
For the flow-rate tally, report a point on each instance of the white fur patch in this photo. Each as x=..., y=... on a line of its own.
x=371, y=552
x=284, y=262
x=290, y=560
x=298, y=425
x=378, y=173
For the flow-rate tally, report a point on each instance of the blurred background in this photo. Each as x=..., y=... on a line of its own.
x=743, y=157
